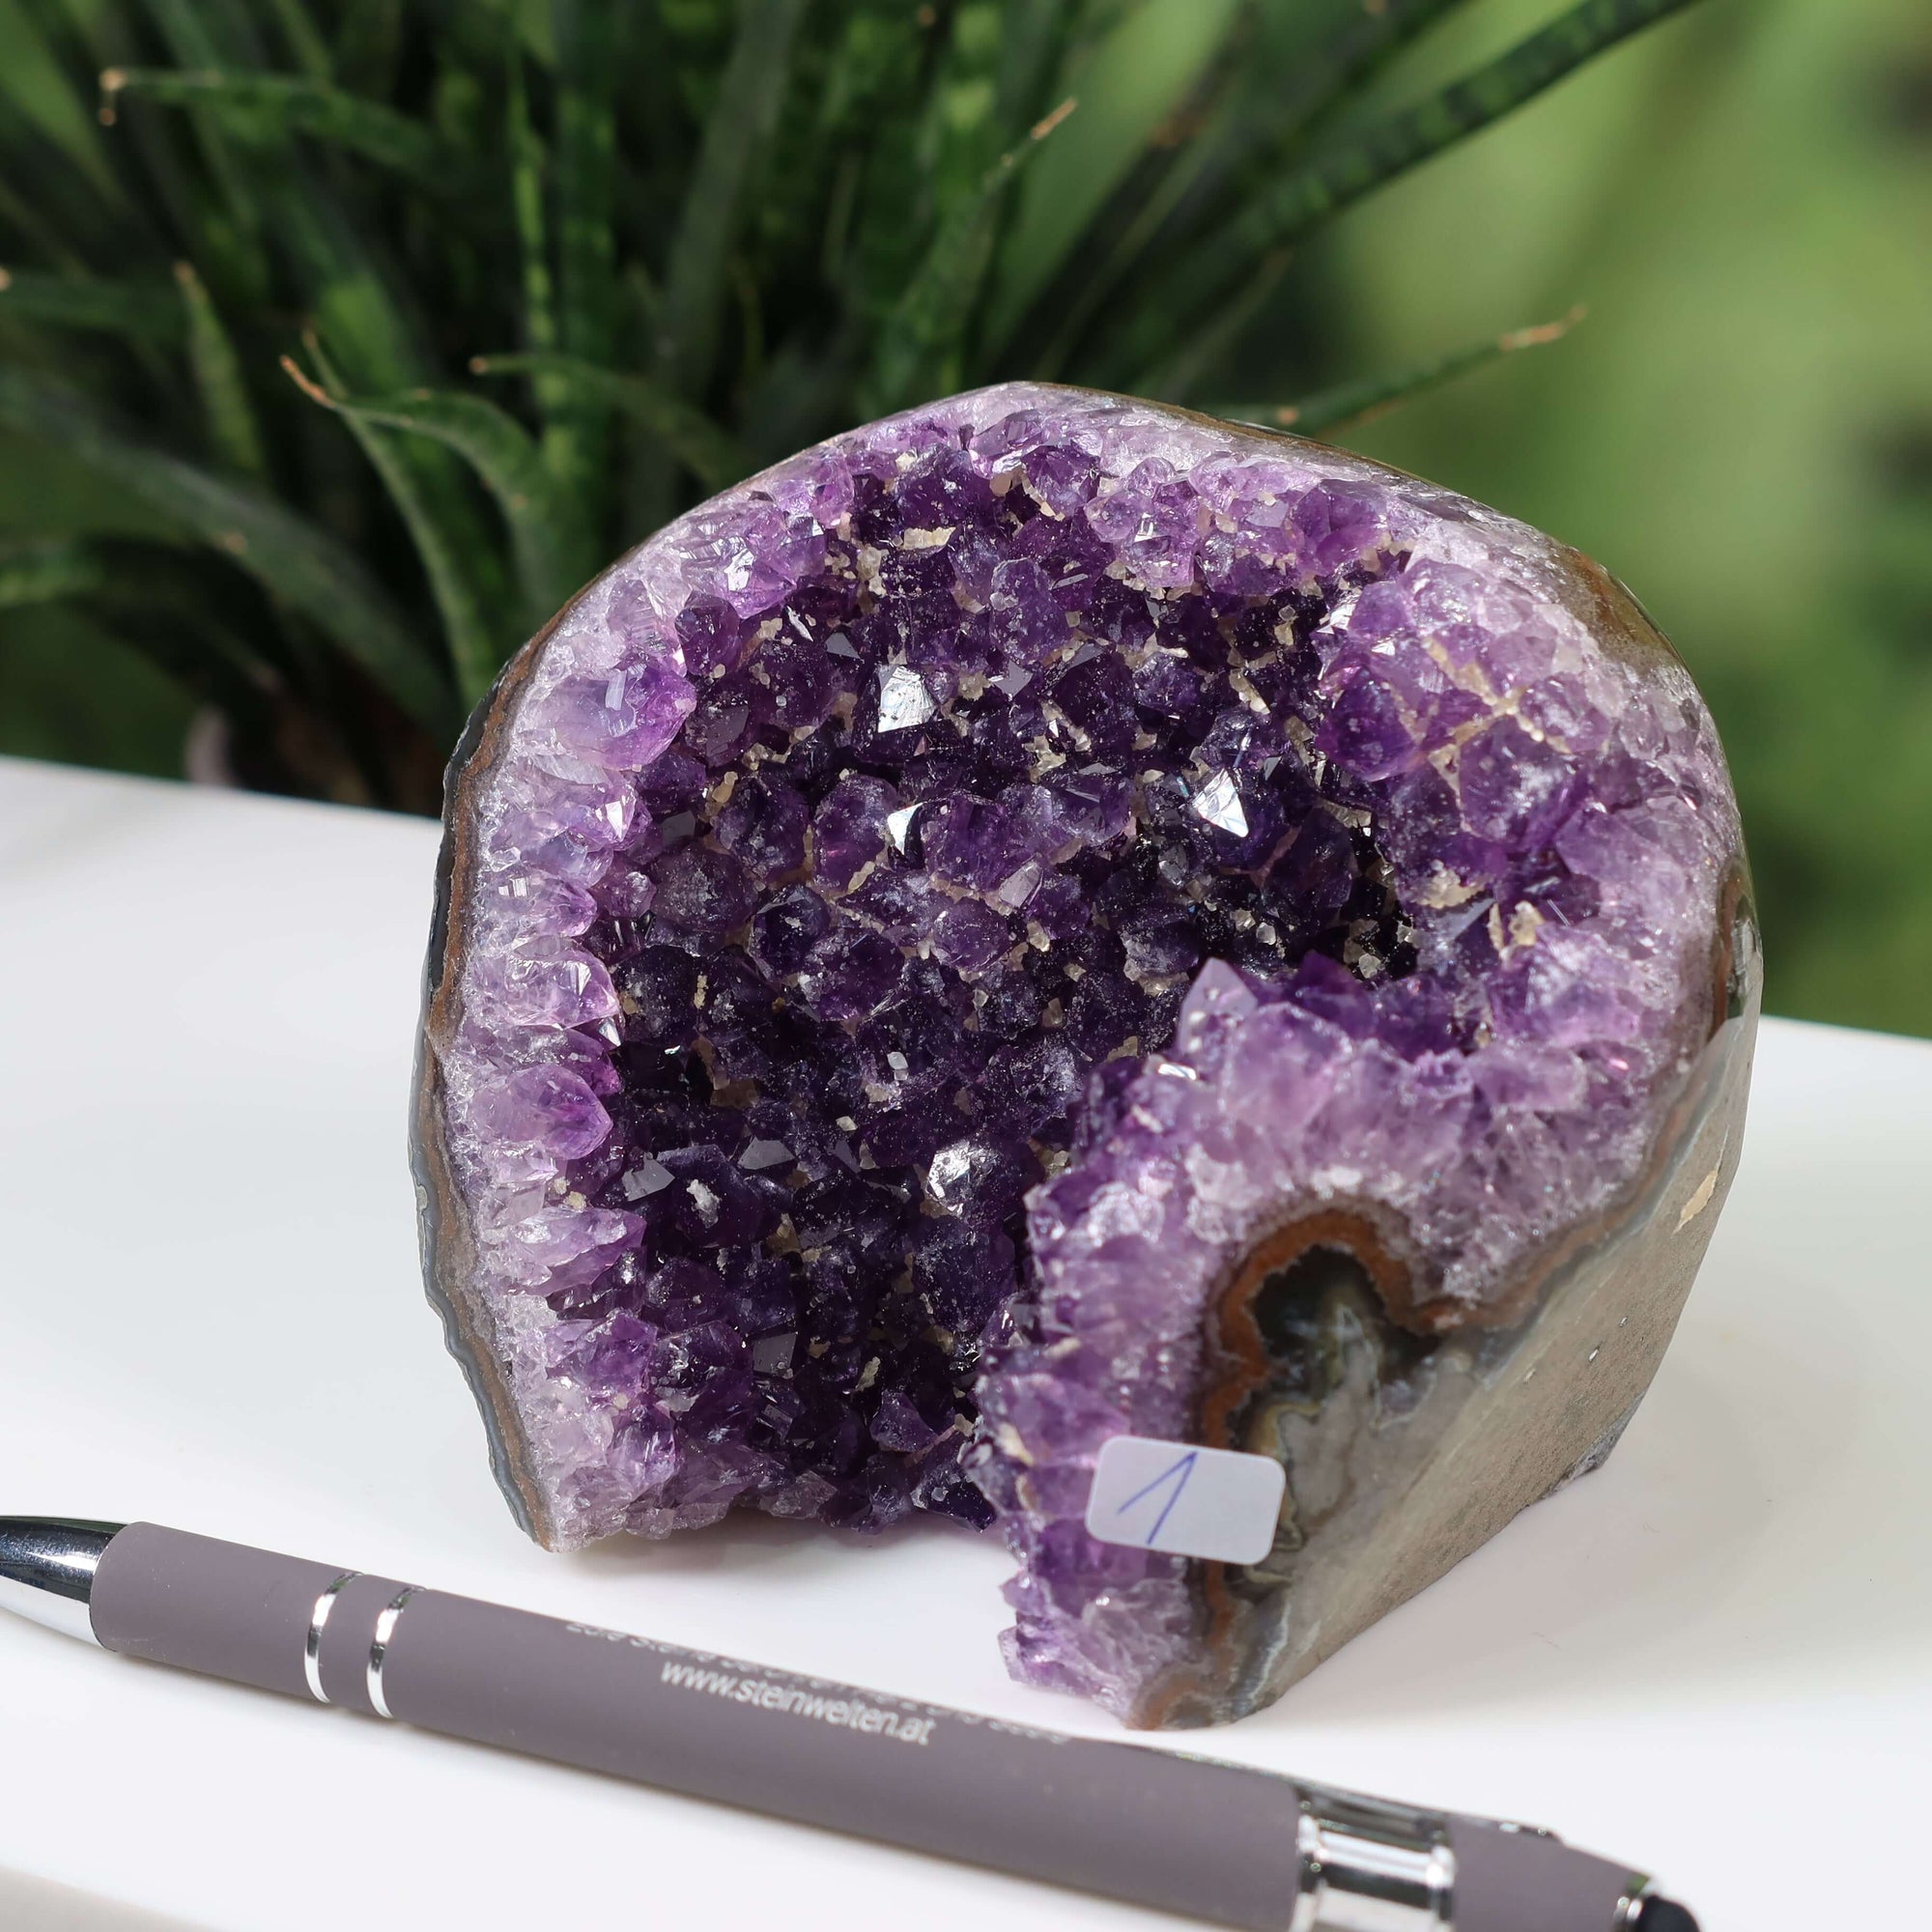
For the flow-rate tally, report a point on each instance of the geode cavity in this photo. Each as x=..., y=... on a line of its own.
x=1047, y=917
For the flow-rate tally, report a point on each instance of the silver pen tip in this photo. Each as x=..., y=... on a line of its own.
x=47, y=1570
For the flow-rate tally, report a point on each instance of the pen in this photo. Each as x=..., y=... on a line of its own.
x=1210, y=1841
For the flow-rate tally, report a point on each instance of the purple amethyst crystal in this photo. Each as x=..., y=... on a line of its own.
x=1049, y=916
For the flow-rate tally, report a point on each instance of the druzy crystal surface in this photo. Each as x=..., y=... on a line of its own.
x=1043, y=917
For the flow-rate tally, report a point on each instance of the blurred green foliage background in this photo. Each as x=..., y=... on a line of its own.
x=1742, y=428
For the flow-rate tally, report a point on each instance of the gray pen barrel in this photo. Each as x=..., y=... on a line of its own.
x=1215, y=1841
x=1211, y=1840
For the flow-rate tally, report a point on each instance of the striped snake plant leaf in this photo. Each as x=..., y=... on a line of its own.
x=750, y=92
x=1357, y=163
x=35, y=86
x=157, y=602
x=712, y=454
x=265, y=108
x=1149, y=70
x=552, y=555
x=295, y=561
x=1349, y=405
x=232, y=428
x=922, y=340
x=466, y=582
x=585, y=154
x=140, y=311
x=1255, y=111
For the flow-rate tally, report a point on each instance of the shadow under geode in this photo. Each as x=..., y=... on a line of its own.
x=1691, y=1558
x=747, y=1540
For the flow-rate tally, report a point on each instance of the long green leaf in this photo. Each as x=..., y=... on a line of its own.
x=302, y=38
x=202, y=36
x=232, y=428
x=265, y=108
x=49, y=570
x=712, y=455
x=458, y=576
x=37, y=229
x=369, y=44
x=377, y=339
x=339, y=281
x=32, y=79
x=152, y=599
x=1145, y=68
x=875, y=225
x=362, y=325
x=586, y=176
x=300, y=565
x=551, y=555
x=750, y=93
x=577, y=427
x=198, y=216
x=958, y=133
x=1174, y=380
x=569, y=431
x=141, y=311
x=1349, y=405
x=1032, y=36
x=527, y=201
x=131, y=572
x=213, y=668
x=1257, y=105
x=210, y=33
x=342, y=286
x=920, y=341
x=1365, y=161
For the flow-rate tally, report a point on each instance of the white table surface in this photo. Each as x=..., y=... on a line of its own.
x=1714, y=1659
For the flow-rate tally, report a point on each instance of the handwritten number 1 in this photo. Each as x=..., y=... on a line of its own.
x=1178, y=1474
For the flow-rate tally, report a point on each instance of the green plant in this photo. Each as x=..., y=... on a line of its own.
x=378, y=326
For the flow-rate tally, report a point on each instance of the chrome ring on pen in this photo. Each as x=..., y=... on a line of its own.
x=317, y=1622
x=379, y=1650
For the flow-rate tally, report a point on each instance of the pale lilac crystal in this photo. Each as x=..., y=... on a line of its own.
x=939, y=901
x=548, y=1107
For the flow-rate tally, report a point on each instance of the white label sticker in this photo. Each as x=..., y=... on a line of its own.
x=1185, y=1500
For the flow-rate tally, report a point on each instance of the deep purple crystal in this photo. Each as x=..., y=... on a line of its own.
x=932, y=910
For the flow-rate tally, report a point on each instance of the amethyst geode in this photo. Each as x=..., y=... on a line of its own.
x=1049, y=916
